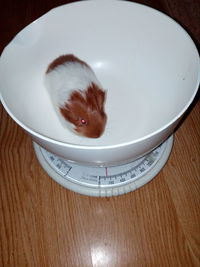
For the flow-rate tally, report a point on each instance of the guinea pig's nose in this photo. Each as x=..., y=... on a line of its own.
x=95, y=134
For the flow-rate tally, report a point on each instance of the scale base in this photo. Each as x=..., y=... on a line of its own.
x=102, y=181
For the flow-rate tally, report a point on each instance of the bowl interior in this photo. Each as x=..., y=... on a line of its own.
x=147, y=63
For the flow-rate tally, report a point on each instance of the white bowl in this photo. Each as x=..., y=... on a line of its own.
x=146, y=61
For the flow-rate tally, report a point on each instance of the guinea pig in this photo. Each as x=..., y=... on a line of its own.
x=77, y=95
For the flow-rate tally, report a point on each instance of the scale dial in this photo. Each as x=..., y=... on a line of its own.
x=105, y=181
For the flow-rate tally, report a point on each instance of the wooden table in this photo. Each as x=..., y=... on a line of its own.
x=44, y=224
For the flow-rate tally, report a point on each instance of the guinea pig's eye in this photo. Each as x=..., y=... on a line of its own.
x=83, y=121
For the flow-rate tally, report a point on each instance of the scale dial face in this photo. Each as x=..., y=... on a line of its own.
x=105, y=181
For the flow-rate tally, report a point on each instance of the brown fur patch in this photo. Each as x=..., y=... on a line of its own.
x=64, y=59
x=95, y=97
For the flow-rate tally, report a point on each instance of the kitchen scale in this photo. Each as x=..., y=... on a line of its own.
x=105, y=181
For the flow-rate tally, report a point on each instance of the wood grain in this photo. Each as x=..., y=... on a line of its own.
x=43, y=224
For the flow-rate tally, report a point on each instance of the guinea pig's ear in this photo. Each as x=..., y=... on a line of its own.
x=101, y=97
x=68, y=114
x=72, y=107
x=95, y=97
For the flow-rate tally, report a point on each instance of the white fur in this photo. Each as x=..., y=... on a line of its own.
x=64, y=79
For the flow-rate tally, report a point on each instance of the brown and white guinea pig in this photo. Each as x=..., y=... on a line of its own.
x=77, y=95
